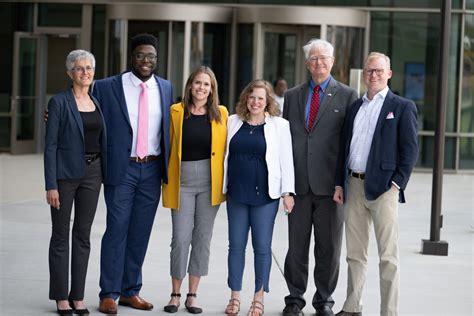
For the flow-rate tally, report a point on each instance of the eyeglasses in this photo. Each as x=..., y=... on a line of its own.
x=142, y=56
x=322, y=58
x=378, y=71
x=83, y=69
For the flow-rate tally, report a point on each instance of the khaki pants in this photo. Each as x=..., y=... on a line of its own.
x=359, y=215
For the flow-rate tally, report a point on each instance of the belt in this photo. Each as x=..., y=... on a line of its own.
x=360, y=176
x=144, y=159
x=91, y=157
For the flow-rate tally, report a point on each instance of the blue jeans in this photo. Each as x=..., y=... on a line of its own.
x=261, y=220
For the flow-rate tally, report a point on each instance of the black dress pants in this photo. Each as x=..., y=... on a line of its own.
x=84, y=193
x=321, y=214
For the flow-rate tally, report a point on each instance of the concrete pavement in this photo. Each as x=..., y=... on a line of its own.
x=430, y=285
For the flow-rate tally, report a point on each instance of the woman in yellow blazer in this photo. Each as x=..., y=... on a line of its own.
x=195, y=175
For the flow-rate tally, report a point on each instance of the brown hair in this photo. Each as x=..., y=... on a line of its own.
x=271, y=108
x=212, y=104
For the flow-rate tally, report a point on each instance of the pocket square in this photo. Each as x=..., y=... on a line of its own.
x=389, y=116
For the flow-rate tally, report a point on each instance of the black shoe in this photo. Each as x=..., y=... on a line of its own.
x=63, y=312
x=292, y=309
x=343, y=313
x=84, y=311
x=324, y=311
x=192, y=309
x=172, y=308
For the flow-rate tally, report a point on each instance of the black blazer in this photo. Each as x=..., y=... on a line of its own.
x=394, y=148
x=64, y=149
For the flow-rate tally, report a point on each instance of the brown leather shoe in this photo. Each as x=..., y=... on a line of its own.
x=343, y=313
x=135, y=302
x=108, y=306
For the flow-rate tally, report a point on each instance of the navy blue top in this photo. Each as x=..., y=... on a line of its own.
x=247, y=168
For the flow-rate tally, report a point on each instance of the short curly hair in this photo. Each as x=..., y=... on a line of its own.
x=143, y=39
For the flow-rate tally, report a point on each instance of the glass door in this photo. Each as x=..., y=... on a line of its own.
x=281, y=53
x=24, y=99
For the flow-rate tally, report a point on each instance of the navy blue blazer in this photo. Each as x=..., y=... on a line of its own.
x=394, y=149
x=64, y=148
x=111, y=96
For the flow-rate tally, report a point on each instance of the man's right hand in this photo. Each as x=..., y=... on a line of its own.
x=338, y=195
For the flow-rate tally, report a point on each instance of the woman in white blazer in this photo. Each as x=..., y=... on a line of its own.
x=258, y=170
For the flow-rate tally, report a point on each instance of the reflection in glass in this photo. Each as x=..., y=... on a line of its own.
x=245, y=57
x=467, y=98
x=177, y=47
x=59, y=14
x=466, y=153
x=410, y=39
x=216, y=55
x=27, y=71
x=426, y=152
x=280, y=57
x=115, y=53
x=25, y=123
x=348, y=45
x=5, y=128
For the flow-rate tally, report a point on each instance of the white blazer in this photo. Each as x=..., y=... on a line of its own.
x=279, y=155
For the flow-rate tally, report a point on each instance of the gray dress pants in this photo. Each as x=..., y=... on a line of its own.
x=193, y=222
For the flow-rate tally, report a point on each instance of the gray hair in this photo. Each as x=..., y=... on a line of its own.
x=78, y=54
x=374, y=55
x=316, y=43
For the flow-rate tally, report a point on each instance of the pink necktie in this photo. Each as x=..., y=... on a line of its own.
x=142, y=137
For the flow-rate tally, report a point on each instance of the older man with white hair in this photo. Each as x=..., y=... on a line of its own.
x=316, y=111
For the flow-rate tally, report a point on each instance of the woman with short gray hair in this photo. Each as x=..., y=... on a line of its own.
x=74, y=165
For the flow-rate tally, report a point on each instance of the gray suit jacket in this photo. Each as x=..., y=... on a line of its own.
x=315, y=152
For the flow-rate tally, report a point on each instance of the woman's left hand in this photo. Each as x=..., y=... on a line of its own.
x=288, y=203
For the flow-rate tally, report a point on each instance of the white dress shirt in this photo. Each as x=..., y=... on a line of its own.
x=280, y=101
x=363, y=130
x=132, y=90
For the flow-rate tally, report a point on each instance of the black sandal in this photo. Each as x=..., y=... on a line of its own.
x=192, y=309
x=172, y=308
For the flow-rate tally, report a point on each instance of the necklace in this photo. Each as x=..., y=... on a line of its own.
x=254, y=127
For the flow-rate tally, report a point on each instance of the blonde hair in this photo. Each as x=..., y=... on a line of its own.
x=212, y=104
x=271, y=108
x=374, y=55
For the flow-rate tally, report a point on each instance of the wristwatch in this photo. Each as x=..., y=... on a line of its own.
x=287, y=194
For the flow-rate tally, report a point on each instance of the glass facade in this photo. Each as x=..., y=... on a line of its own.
x=58, y=14
x=411, y=37
x=466, y=146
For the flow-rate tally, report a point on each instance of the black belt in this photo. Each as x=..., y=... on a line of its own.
x=360, y=176
x=144, y=159
x=91, y=157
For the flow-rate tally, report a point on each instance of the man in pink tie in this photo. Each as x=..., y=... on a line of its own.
x=316, y=111
x=136, y=111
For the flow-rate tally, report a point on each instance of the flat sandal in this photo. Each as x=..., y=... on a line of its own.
x=256, y=307
x=233, y=303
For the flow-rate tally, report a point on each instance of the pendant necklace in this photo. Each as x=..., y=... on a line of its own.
x=254, y=127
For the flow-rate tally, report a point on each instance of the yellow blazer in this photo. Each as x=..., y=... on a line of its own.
x=218, y=143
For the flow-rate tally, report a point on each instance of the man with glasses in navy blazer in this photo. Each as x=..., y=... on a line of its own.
x=132, y=186
x=378, y=151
